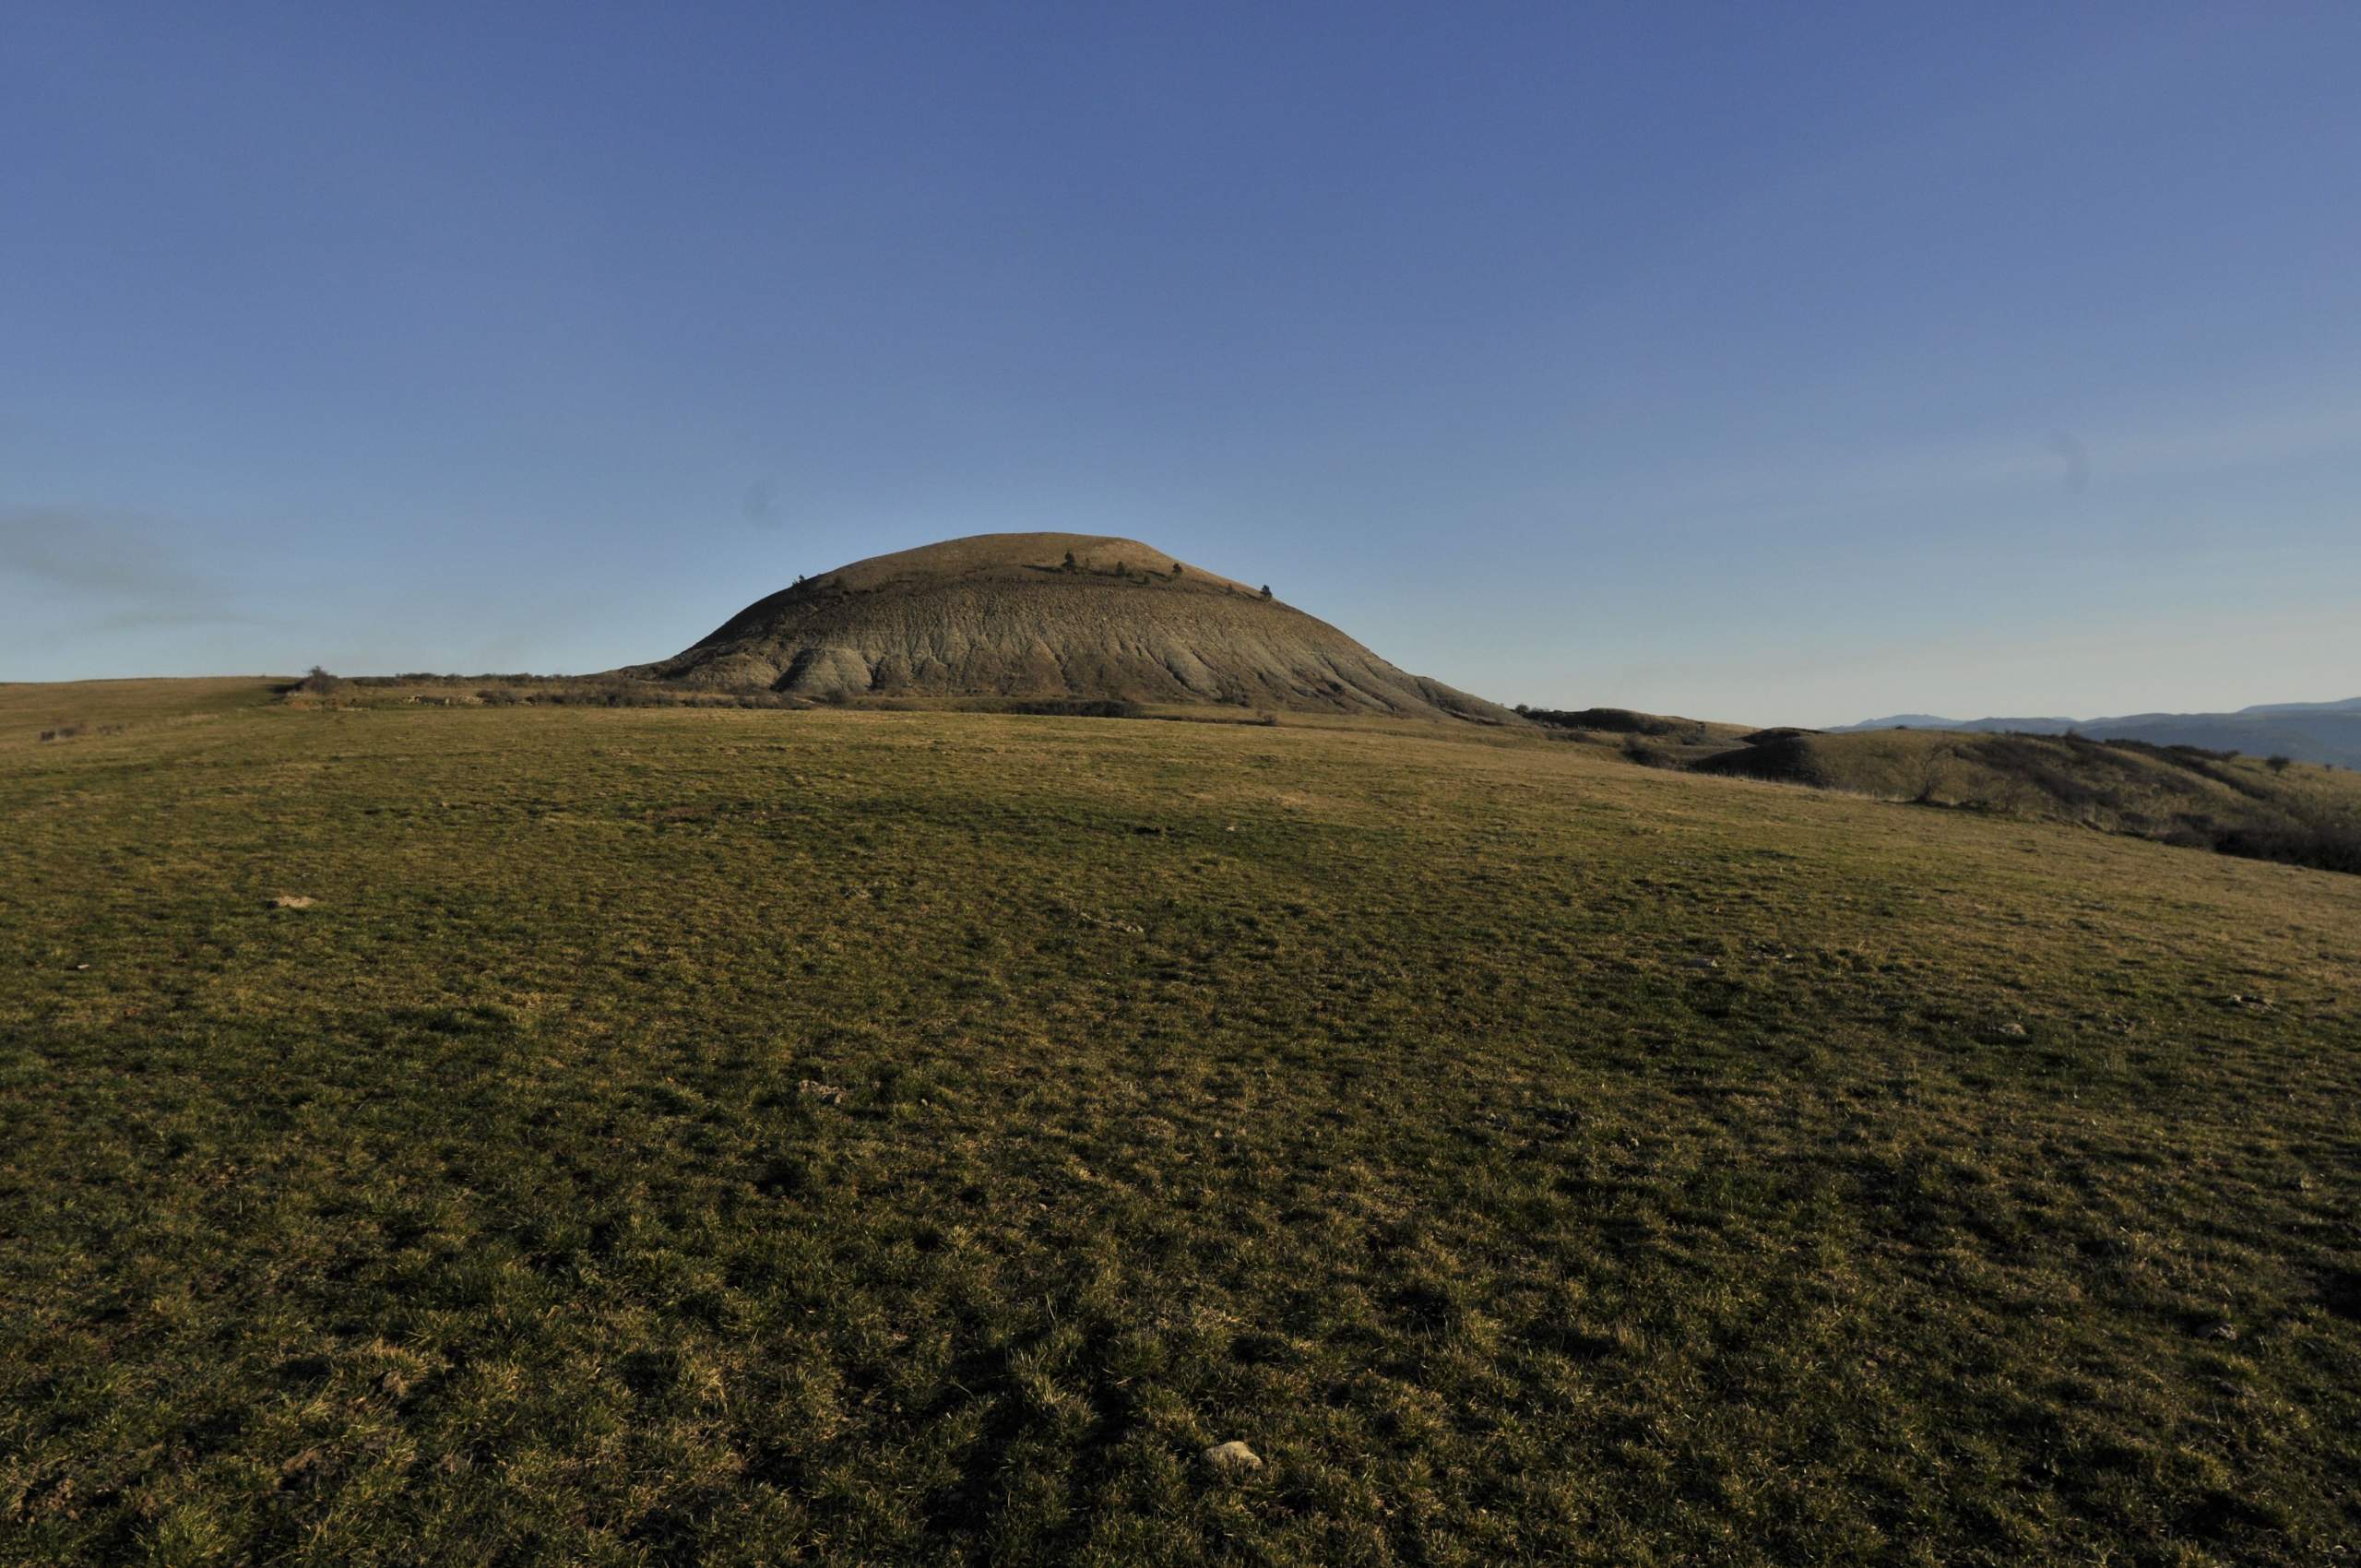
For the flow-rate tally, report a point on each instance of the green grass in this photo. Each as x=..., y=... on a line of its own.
x=38, y=712
x=1533, y=1158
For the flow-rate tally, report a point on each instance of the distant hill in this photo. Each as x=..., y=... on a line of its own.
x=1660, y=738
x=2240, y=805
x=2350, y=705
x=1050, y=616
x=1936, y=722
x=2308, y=732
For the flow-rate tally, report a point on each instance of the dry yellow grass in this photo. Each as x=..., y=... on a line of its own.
x=74, y=709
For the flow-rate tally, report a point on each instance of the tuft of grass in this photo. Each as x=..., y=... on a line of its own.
x=1531, y=1158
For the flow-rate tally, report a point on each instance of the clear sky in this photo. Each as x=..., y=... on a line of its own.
x=1780, y=363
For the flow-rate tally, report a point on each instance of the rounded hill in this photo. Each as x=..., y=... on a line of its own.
x=1050, y=616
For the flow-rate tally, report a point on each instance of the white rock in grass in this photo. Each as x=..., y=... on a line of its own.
x=1233, y=1458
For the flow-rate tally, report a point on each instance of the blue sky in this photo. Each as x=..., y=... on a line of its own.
x=1782, y=364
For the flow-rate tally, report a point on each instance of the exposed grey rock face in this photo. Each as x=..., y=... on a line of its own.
x=1052, y=615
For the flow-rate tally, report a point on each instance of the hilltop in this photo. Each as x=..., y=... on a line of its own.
x=1050, y=616
x=2308, y=732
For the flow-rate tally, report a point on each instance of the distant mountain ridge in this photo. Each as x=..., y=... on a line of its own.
x=2309, y=732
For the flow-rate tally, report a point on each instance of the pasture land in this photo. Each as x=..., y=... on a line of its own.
x=719, y=1137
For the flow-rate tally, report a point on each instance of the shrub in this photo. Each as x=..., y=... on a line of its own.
x=2277, y=764
x=1079, y=707
x=1620, y=720
x=2324, y=847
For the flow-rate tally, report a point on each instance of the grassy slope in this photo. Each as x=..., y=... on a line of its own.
x=27, y=707
x=2298, y=812
x=1533, y=1156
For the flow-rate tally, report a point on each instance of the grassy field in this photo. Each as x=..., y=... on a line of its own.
x=736, y=1137
x=35, y=712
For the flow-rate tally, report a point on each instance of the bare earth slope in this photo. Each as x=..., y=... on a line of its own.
x=1003, y=615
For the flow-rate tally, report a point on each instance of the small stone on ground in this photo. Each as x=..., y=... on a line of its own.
x=1234, y=1457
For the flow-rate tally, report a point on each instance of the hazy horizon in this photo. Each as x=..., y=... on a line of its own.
x=1764, y=366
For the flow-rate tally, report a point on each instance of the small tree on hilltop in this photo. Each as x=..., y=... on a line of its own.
x=2277, y=764
x=1176, y=568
